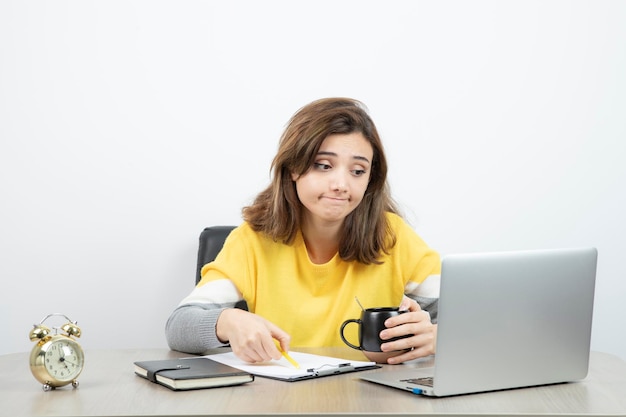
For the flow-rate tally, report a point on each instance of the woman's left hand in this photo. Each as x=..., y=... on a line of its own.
x=415, y=322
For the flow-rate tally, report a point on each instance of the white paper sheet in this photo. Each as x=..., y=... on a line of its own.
x=311, y=365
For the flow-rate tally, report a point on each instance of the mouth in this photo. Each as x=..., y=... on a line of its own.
x=334, y=199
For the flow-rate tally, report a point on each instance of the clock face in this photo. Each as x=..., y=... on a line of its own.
x=63, y=359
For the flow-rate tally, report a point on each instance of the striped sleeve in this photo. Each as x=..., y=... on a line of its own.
x=217, y=292
x=426, y=294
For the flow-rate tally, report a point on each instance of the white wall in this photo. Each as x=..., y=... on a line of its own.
x=128, y=126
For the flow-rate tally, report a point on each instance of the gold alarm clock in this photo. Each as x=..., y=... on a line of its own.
x=57, y=359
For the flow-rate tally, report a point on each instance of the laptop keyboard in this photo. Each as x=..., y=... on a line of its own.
x=427, y=381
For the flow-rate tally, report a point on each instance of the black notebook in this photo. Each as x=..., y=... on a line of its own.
x=191, y=373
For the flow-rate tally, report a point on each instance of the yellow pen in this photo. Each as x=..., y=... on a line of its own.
x=286, y=355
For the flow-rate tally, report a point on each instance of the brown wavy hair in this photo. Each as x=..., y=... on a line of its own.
x=277, y=211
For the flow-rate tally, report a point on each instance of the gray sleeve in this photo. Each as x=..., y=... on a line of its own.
x=191, y=327
x=429, y=304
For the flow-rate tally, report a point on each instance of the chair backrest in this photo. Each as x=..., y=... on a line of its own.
x=211, y=243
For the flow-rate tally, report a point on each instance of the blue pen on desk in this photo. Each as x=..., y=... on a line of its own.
x=286, y=355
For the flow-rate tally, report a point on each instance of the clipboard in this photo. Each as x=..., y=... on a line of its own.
x=311, y=366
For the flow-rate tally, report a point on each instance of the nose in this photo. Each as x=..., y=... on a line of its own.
x=339, y=182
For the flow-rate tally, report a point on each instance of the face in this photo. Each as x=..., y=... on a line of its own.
x=63, y=360
x=336, y=183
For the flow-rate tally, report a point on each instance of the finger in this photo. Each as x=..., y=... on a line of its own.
x=280, y=340
x=418, y=352
x=412, y=305
x=265, y=349
x=405, y=304
x=283, y=341
x=411, y=333
x=401, y=344
x=403, y=357
x=254, y=347
x=424, y=343
x=413, y=316
x=250, y=355
x=282, y=337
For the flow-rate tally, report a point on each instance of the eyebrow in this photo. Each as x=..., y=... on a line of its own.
x=357, y=157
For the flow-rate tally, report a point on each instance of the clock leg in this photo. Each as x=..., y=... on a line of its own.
x=75, y=383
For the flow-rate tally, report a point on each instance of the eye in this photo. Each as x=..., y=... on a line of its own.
x=321, y=166
x=358, y=172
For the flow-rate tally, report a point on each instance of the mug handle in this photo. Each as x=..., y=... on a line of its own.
x=344, y=324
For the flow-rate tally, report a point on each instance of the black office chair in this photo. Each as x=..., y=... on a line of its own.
x=211, y=243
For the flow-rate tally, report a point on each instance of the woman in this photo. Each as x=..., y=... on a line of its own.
x=325, y=231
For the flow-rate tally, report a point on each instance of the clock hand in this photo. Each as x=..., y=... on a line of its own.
x=71, y=363
x=64, y=358
x=64, y=362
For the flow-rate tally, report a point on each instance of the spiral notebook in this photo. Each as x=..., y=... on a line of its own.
x=311, y=366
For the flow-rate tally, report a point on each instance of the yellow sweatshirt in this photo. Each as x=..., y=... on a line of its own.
x=310, y=301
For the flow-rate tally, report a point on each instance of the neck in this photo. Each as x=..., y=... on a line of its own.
x=322, y=241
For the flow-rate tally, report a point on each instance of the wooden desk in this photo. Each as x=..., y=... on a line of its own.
x=108, y=387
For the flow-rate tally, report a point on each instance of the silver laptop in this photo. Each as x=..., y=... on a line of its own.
x=507, y=320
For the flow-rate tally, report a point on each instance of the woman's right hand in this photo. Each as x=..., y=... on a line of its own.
x=250, y=336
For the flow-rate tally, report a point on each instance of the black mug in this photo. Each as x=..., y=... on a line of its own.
x=371, y=323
